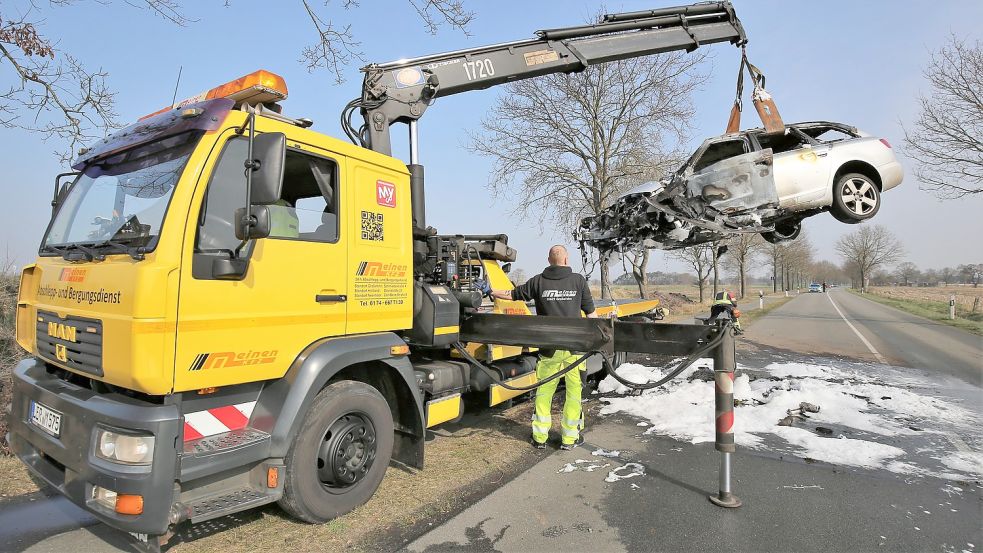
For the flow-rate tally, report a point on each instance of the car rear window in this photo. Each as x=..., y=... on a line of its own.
x=828, y=134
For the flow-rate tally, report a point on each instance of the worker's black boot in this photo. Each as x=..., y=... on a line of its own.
x=568, y=447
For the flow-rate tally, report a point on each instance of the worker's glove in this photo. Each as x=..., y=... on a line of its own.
x=483, y=287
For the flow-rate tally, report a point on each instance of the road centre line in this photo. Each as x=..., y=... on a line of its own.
x=880, y=358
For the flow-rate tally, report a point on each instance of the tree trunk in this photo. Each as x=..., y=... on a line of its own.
x=702, y=283
x=716, y=270
x=774, y=275
x=639, y=268
x=740, y=270
x=605, y=278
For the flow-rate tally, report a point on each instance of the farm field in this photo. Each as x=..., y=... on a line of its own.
x=933, y=303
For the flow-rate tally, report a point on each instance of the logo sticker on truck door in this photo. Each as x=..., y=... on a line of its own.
x=385, y=193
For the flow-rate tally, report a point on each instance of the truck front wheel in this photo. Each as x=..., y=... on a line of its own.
x=339, y=457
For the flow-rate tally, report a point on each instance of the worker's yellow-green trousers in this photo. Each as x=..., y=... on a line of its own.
x=572, y=418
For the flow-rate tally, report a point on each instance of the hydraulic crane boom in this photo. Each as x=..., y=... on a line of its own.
x=400, y=91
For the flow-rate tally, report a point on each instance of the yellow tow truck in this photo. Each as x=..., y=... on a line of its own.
x=230, y=309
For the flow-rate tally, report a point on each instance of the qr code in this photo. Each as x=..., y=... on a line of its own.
x=372, y=228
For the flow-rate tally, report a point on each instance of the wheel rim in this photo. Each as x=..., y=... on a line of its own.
x=859, y=196
x=348, y=449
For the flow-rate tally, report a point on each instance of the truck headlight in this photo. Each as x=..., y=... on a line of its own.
x=126, y=448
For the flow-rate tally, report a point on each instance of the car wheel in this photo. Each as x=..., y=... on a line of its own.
x=340, y=455
x=784, y=231
x=855, y=198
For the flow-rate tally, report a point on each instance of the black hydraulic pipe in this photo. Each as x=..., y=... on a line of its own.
x=605, y=28
x=699, y=9
x=418, y=204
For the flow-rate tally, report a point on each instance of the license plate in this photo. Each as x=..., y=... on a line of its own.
x=46, y=418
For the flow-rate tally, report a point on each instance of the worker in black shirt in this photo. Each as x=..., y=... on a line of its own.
x=558, y=292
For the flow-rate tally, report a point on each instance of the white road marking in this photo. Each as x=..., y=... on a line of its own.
x=880, y=358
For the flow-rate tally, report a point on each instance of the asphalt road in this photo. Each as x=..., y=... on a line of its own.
x=840, y=323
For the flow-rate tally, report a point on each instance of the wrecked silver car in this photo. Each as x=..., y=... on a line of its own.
x=752, y=182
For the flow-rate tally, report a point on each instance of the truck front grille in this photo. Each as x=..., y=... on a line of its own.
x=72, y=342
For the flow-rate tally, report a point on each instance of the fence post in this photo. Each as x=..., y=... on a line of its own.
x=724, y=364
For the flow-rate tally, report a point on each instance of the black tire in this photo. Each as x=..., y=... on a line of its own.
x=856, y=198
x=784, y=231
x=350, y=423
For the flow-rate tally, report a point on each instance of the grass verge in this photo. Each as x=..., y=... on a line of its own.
x=932, y=310
x=748, y=317
x=14, y=478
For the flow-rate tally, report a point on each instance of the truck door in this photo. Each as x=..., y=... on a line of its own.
x=295, y=288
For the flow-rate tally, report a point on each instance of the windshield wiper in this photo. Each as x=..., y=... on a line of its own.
x=76, y=252
x=136, y=252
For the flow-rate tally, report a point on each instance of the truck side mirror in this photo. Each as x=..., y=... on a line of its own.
x=270, y=150
x=259, y=226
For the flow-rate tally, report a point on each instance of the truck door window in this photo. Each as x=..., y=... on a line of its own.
x=719, y=151
x=307, y=207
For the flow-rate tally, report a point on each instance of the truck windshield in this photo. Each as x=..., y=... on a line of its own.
x=120, y=200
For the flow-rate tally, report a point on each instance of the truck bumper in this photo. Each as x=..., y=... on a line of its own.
x=68, y=463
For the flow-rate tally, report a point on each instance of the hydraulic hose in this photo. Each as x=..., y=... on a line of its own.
x=675, y=372
x=495, y=378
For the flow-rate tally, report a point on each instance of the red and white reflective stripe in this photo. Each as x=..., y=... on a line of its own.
x=218, y=420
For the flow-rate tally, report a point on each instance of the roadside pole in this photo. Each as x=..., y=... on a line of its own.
x=952, y=307
x=724, y=364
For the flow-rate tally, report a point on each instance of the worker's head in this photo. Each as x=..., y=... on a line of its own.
x=558, y=256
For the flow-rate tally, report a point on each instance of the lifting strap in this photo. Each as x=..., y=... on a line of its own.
x=763, y=102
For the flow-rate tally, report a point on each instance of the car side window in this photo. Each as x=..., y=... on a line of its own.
x=780, y=142
x=719, y=151
x=307, y=207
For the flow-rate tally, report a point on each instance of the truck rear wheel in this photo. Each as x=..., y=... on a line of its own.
x=339, y=457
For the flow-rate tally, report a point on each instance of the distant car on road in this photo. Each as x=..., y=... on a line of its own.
x=815, y=287
x=752, y=181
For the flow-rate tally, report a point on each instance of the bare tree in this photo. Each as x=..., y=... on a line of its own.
x=639, y=260
x=797, y=262
x=518, y=276
x=776, y=254
x=565, y=146
x=906, y=272
x=947, y=138
x=59, y=97
x=52, y=93
x=717, y=249
x=336, y=46
x=743, y=249
x=827, y=271
x=700, y=259
x=869, y=248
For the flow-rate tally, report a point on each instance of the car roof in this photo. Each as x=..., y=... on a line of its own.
x=757, y=130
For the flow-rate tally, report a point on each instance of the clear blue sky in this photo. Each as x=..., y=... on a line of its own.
x=850, y=61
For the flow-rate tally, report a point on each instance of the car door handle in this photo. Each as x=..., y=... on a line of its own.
x=822, y=154
x=322, y=298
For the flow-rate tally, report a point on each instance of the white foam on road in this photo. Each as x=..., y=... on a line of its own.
x=860, y=414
